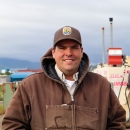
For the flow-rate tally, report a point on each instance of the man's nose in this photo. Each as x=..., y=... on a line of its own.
x=68, y=51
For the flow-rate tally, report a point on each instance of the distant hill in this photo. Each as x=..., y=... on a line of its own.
x=14, y=63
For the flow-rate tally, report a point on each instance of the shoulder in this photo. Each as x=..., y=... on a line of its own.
x=96, y=76
x=34, y=80
x=35, y=76
x=97, y=80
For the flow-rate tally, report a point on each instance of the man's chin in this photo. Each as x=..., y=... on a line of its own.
x=69, y=70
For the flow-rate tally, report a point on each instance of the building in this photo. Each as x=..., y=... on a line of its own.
x=4, y=78
x=19, y=76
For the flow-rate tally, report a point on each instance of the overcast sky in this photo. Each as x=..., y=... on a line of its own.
x=27, y=27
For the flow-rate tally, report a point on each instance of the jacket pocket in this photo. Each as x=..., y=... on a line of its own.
x=86, y=118
x=58, y=117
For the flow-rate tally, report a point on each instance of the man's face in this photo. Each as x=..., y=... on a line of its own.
x=67, y=55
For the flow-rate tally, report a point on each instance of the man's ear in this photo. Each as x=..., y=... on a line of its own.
x=82, y=51
x=53, y=51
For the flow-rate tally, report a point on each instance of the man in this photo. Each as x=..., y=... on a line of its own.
x=65, y=95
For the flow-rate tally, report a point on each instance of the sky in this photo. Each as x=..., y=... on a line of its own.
x=27, y=27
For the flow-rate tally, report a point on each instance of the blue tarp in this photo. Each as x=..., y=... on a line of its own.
x=18, y=76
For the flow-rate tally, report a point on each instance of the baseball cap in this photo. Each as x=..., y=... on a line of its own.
x=67, y=32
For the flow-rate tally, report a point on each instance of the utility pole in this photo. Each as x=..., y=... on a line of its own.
x=103, y=47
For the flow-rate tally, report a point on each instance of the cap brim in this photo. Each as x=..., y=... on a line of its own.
x=68, y=39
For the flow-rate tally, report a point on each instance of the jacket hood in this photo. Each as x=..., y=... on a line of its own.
x=48, y=64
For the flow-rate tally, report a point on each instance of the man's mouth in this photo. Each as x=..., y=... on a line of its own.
x=68, y=60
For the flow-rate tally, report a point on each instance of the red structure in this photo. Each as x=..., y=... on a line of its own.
x=115, y=56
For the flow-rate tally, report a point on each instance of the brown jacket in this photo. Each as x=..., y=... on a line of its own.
x=42, y=102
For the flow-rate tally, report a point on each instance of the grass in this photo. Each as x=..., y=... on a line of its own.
x=1, y=95
x=1, y=98
x=1, y=109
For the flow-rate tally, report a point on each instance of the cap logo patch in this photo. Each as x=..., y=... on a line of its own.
x=67, y=30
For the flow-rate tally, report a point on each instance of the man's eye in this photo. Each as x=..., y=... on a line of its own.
x=61, y=47
x=76, y=47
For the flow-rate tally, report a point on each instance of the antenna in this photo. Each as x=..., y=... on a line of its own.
x=111, y=31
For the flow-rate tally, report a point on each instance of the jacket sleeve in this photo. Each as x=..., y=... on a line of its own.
x=116, y=114
x=17, y=115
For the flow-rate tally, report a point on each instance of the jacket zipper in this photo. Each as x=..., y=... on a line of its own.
x=73, y=118
x=73, y=109
x=72, y=96
x=73, y=105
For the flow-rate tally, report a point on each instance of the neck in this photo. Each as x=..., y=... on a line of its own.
x=69, y=77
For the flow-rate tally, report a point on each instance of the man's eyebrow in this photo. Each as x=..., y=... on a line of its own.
x=60, y=45
x=65, y=45
x=76, y=45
